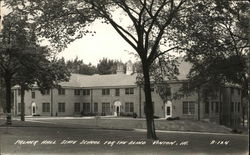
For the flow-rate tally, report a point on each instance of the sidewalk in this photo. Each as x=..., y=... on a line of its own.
x=120, y=124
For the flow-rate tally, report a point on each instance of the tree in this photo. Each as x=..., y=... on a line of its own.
x=12, y=41
x=151, y=26
x=150, y=22
x=2, y=94
x=163, y=69
x=77, y=66
x=216, y=43
x=52, y=72
x=106, y=66
x=23, y=61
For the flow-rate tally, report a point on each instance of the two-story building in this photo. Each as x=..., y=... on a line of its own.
x=120, y=95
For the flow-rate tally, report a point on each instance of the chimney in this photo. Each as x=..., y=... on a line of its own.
x=129, y=68
x=120, y=69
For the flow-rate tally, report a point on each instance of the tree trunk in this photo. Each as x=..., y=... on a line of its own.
x=220, y=110
x=199, y=100
x=8, y=98
x=22, y=103
x=243, y=115
x=240, y=111
x=148, y=108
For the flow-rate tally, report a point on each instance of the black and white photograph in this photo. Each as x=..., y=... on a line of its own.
x=114, y=77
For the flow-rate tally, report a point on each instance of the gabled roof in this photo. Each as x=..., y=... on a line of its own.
x=111, y=80
x=116, y=80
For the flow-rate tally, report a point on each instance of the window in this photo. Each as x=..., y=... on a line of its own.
x=86, y=107
x=46, y=107
x=86, y=92
x=235, y=106
x=45, y=92
x=19, y=108
x=129, y=107
x=217, y=107
x=129, y=91
x=232, y=107
x=212, y=106
x=105, y=91
x=168, y=91
x=106, y=107
x=61, y=91
x=207, y=107
x=77, y=107
x=189, y=108
x=232, y=91
x=117, y=92
x=238, y=91
x=185, y=86
x=238, y=106
x=61, y=107
x=95, y=107
x=33, y=94
x=77, y=91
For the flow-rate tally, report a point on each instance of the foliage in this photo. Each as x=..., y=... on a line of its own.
x=51, y=73
x=107, y=66
x=78, y=66
x=24, y=57
x=48, y=15
x=163, y=69
x=2, y=94
x=215, y=41
x=23, y=60
x=150, y=27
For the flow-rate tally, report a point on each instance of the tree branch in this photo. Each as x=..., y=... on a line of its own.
x=116, y=26
x=162, y=53
x=154, y=20
x=162, y=29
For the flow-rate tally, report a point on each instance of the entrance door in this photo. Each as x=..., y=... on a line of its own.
x=117, y=108
x=33, y=109
x=168, y=109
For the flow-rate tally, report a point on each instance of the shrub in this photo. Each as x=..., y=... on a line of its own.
x=156, y=117
x=236, y=131
x=134, y=115
x=173, y=118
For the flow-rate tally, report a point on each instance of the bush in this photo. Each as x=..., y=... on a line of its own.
x=173, y=118
x=134, y=115
x=88, y=114
x=236, y=131
x=156, y=117
x=177, y=118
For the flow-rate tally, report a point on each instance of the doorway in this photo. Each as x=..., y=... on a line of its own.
x=117, y=108
x=33, y=108
x=168, y=109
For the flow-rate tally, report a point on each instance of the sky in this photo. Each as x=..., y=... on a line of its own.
x=105, y=43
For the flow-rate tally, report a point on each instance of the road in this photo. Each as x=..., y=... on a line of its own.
x=51, y=139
